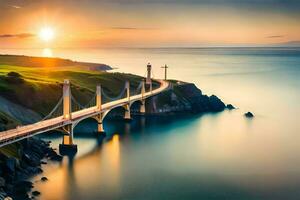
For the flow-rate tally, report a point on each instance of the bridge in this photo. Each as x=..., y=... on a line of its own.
x=68, y=113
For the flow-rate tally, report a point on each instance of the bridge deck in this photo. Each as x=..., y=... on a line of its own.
x=19, y=133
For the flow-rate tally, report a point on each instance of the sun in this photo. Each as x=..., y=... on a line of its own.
x=46, y=34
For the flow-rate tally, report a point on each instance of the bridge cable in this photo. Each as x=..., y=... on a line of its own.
x=54, y=111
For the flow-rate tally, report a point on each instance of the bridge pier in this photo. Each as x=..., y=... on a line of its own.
x=127, y=115
x=67, y=147
x=143, y=107
x=100, y=129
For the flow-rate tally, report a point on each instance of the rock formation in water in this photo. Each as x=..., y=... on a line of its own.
x=182, y=98
x=249, y=115
x=230, y=107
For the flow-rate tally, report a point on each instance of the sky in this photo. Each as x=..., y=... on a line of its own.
x=148, y=23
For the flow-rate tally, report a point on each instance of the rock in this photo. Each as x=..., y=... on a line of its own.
x=230, y=107
x=35, y=193
x=44, y=178
x=31, y=159
x=13, y=171
x=39, y=170
x=53, y=155
x=11, y=164
x=2, y=182
x=216, y=105
x=43, y=162
x=183, y=98
x=249, y=115
x=9, y=188
x=25, y=184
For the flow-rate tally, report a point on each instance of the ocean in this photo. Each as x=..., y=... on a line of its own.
x=209, y=156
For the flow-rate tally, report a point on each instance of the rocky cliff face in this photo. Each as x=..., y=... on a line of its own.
x=182, y=98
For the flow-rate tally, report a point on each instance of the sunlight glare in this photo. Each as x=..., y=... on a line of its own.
x=46, y=34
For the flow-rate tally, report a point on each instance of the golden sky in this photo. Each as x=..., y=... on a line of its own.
x=135, y=23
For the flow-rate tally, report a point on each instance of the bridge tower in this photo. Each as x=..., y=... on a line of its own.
x=127, y=106
x=148, y=79
x=99, y=117
x=143, y=108
x=98, y=97
x=67, y=100
x=67, y=145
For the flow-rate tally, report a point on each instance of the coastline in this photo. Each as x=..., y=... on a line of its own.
x=20, y=162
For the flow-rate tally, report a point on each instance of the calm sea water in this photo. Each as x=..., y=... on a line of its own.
x=212, y=156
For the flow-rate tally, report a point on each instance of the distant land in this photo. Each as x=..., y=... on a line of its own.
x=288, y=44
x=29, y=61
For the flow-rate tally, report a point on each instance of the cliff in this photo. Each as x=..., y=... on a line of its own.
x=182, y=98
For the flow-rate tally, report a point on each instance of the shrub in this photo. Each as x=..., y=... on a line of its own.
x=14, y=77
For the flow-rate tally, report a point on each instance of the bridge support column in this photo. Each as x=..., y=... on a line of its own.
x=142, y=107
x=67, y=147
x=100, y=129
x=127, y=115
x=67, y=100
x=98, y=97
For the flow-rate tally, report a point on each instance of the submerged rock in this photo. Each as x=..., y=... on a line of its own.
x=35, y=193
x=249, y=115
x=230, y=107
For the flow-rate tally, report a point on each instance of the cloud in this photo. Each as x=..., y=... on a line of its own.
x=124, y=28
x=275, y=36
x=15, y=6
x=131, y=28
x=20, y=35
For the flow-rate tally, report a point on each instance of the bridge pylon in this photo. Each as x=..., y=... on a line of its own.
x=142, y=107
x=67, y=107
x=98, y=97
x=148, y=79
x=127, y=115
x=128, y=90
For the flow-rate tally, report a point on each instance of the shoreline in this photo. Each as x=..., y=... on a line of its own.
x=16, y=171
